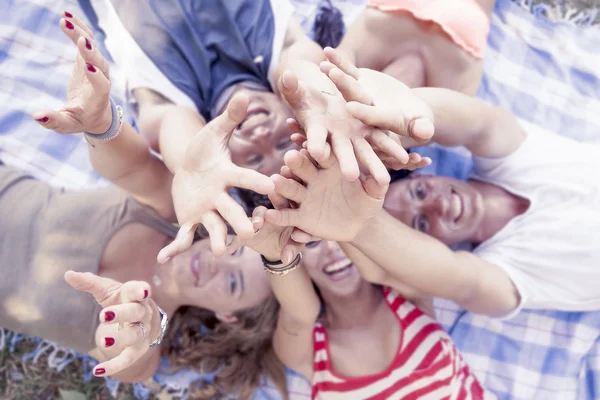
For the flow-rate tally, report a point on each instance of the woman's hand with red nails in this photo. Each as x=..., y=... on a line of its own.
x=129, y=320
x=87, y=107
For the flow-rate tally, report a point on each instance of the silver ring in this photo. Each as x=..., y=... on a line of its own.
x=141, y=325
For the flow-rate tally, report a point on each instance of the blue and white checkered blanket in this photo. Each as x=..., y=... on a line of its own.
x=547, y=73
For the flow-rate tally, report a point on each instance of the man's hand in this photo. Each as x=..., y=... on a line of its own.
x=379, y=100
x=329, y=207
x=201, y=186
x=322, y=112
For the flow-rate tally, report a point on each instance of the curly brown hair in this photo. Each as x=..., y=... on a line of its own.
x=241, y=352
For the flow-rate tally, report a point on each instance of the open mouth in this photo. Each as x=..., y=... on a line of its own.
x=457, y=205
x=254, y=117
x=339, y=269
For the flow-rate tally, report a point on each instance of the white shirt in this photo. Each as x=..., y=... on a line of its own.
x=552, y=251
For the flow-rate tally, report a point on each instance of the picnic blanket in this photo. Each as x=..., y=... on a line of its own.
x=545, y=72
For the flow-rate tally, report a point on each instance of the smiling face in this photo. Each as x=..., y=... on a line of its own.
x=263, y=138
x=445, y=208
x=330, y=269
x=222, y=284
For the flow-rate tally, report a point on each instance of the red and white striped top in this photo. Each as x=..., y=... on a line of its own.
x=427, y=365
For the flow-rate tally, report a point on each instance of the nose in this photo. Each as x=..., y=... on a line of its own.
x=436, y=205
x=333, y=249
x=261, y=133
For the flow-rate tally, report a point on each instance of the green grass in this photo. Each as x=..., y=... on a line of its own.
x=28, y=381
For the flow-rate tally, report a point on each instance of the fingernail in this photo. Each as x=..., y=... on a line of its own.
x=90, y=67
x=69, y=25
x=99, y=371
x=108, y=341
x=88, y=44
x=68, y=14
x=43, y=120
x=145, y=293
x=109, y=316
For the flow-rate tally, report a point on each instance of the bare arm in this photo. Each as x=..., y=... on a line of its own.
x=461, y=120
x=128, y=163
x=300, y=307
x=431, y=267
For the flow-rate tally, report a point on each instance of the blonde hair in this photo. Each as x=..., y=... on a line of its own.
x=241, y=352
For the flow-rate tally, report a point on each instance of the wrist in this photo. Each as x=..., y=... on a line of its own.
x=366, y=232
x=105, y=121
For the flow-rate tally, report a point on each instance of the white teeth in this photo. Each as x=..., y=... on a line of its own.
x=335, y=267
x=196, y=265
x=456, y=206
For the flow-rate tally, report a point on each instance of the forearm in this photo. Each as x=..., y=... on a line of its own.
x=422, y=262
x=114, y=159
x=462, y=120
x=411, y=257
x=178, y=127
x=297, y=297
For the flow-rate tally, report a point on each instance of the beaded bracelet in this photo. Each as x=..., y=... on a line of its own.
x=115, y=126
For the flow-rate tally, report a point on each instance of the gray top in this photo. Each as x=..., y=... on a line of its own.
x=45, y=231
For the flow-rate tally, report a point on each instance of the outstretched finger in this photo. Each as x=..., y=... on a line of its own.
x=91, y=55
x=72, y=31
x=349, y=87
x=217, y=232
x=279, y=202
x=388, y=146
x=367, y=157
x=224, y=124
x=289, y=188
x=285, y=217
x=300, y=166
x=123, y=361
x=342, y=148
x=234, y=214
x=183, y=241
x=78, y=22
x=101, y=288
x=341, y=61
x=248, y=179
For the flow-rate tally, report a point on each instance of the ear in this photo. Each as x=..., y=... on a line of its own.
x=227, y=318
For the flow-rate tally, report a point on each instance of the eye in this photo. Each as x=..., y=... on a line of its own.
x=283, y=144
x=232, y=283
x=313, y=244
x=255, y=159
x=420, y=191
x=422, y=224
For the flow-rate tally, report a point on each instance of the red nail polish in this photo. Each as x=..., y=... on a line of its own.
x=108, y=341
x=90, y=67
x=109, y=316
x=69, y=25
x=88, y=44
x=68, y=14
x=43, y=120
x=145, y=293
x=99, y=371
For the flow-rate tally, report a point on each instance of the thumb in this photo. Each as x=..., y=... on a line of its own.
x=100, y=288
x=58, y=121
x=183, y=241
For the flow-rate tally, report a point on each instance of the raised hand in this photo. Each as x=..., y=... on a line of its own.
x=87, y=107
x=272, y=241
x=201, y=186
x=378, y=99
x=415, y=161
x=322, y=112
x=127, y=305
x=329, y=207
